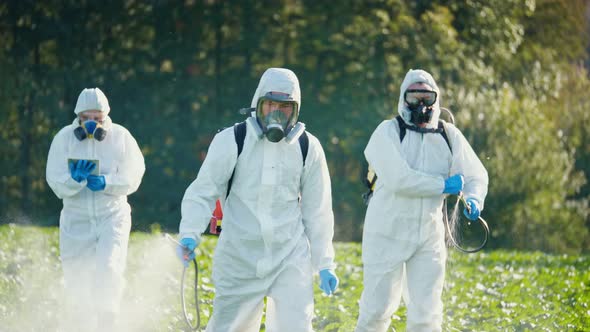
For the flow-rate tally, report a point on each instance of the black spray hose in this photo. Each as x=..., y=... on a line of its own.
x=197, y=326
x=483, y=223
x=187, y=253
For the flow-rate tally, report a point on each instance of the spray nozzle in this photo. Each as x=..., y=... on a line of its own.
x=462, y=198
x=168, y=237
x=186, y=252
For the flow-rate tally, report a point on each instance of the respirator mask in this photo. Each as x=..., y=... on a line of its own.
x=420, y=103
x=277, y=114
x=90, y=129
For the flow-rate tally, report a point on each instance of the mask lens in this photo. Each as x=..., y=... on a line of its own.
x=276, y=112
x=416, y=98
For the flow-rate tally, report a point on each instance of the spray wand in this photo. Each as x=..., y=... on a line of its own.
x=186, y=253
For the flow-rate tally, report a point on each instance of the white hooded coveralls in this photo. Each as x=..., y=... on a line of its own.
x=403, y=223
x=94, y=226
x=277, y=226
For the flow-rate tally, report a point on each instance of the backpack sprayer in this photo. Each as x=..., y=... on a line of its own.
x=186, y=253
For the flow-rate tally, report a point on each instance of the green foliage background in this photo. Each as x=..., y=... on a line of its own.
x=513, y=72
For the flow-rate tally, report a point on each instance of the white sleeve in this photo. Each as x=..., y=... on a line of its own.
x=384, y=156
x=466, y=162
x=316, y=206
x=57, y=172
x=199, y=198
x=127, y=177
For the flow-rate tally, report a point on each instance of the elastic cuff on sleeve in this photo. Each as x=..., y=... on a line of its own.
x=331, y=266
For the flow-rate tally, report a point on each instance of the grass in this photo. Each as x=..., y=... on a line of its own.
x=489, y=291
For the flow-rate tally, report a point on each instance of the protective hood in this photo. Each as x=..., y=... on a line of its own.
x=418, y=76
x=278, y=80
x=92, y=99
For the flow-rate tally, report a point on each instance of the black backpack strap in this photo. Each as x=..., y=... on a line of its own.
x=370, y=183
x=402, y=128
x=240, y=137
x=443, y=132
x=304, y=145
x=402, y=133
x=440, y=130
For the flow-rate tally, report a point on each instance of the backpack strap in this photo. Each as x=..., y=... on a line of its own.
x=402, y=128
x=443, y=132
x=370, y=182
x=440, y=130
x=304, y=145
x=240, y=137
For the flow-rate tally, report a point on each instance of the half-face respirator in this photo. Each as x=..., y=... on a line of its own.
x=90, y=129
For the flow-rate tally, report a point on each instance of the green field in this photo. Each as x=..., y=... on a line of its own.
x=490, y=291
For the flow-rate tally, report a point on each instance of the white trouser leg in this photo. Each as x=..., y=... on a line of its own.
x=236, y=313
x=289, y=306
x=381, y=297
x=77, y=251
x=425, y=273
x=111, y=256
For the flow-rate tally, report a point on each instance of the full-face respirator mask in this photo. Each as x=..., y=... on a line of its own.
x=420, y=103
x=277, y=114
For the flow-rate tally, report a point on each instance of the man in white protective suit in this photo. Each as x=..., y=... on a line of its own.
x=278, y=220
x=404, y=221
x=93, y=164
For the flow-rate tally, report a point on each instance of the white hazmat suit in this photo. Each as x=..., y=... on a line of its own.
x=94, y=225
x=277, y=226
x=403, y=223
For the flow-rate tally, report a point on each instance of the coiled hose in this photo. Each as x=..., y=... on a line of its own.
x=483, y=223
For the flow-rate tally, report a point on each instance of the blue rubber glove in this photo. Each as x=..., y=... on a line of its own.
x=81, y=169
x=473, y=212
x=328, y=281
x=96, y=182
x=186, y=250
x=454, y=184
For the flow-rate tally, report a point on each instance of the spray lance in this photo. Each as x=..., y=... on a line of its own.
x=186, y=253
x=480, y=220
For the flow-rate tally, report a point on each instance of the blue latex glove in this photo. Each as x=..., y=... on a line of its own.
x=81, y=169
x=186, y=251
x=96, y=182
x=328, y=281
x=473, y=212
x=454, y=184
